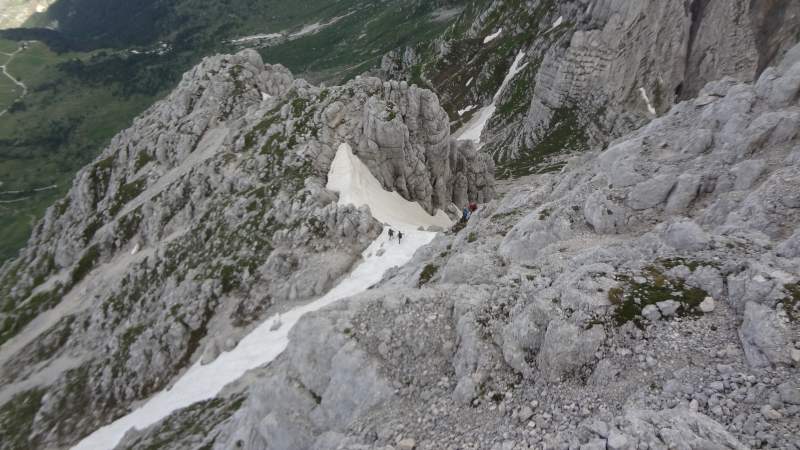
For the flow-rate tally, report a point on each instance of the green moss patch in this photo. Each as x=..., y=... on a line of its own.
x=85, y=264
x=566, y=133
x=428, y=272
x=16, y=419
x=126, y=193
x=15, y=320
x=632, y=296
x=142, y=159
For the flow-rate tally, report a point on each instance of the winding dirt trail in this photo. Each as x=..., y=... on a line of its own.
x=11, y=77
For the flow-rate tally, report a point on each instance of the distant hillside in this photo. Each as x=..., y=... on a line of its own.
x=108, y=60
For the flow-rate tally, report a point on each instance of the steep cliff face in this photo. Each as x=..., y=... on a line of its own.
x=204, y=216
x=603, y=66
x=646, y=296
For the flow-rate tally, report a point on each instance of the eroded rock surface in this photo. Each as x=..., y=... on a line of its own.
x=206, y=215
x=530, y=330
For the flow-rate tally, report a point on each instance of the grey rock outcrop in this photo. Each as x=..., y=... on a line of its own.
x=532, y=332
x=596, y=69
x=763, y=336
x=206, y=215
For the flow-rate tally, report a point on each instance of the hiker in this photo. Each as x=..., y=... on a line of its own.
x=465, y=214
x=399, y=237
x=473, y=207
x=391, y=234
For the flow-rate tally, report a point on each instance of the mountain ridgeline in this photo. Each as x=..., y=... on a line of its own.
x=215, y=199
x=100, y=64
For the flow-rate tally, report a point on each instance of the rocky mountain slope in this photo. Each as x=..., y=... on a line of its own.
x=205, y=216
x=644, y=297
x=641, y=294
x=98, y=64
x=605, y=67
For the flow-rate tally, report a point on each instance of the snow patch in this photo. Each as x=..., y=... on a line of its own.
x=256, y=37
x=470, y=81
x=469, y=108
x=647, y=101
x=492, y=37
x=315, y=27
x=356, y=185
x=557, y=23
x=473, y=129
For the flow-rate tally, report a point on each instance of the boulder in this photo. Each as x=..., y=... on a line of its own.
x=651, y=193
x=763, y=336
x=567, y=348
x=685, y=235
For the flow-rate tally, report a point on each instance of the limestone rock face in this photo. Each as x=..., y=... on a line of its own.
x=763, y=336
x=590, y=308
x=567, y=348
x=198, y=221
x=626, y=63
x=595, y=69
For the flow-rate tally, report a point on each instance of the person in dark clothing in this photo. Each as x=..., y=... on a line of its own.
x=465, y=214
x=391, y=234
x=399, y=237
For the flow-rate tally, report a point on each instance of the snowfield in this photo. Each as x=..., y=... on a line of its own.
x=492, y=36
x=256, y=37
x=356, y=185
x=472, y=130
x=469, y=108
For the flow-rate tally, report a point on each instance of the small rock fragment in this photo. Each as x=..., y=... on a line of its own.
x=617, y=441
x=407, y=444
x=651, y=313
x=769, y=413
x=668, y=307
x=707, y=305
x=790, y=392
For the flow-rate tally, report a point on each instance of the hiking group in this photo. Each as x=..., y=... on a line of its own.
x=465, y=215
x=399, y=235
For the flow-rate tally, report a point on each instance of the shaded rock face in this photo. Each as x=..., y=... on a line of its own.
x=198, y=221
x=573, y=312
x=665, y=51
x=596, y=69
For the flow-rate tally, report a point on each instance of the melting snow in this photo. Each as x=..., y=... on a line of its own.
x=473, y=129
x=647, y=101
x=558, y=22
x=469, y=108
x=256, y=37
x=355, y=184
x=315, y=27
x=492, y=37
